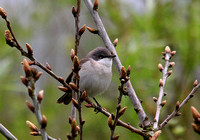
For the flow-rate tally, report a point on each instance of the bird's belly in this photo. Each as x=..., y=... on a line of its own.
x=95, y=82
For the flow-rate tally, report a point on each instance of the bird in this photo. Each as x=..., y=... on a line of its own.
x=95, y=73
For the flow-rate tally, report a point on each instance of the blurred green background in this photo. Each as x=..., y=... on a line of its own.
x=143, y=28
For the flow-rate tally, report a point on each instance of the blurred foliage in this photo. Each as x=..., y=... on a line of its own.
x=143, y=34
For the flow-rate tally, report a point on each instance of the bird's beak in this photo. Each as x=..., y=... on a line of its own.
x=112, y=56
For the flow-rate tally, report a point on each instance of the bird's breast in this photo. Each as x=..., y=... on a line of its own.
x=95, y=77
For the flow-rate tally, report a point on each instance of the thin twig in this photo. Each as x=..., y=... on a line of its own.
x=169, y=117
x=77, y=26
x=124, y=78
x=6, y=133
x=103, y=34
x=32, y=58
x=36, y=105
x=161, y=92
x=119, y=122
x=32, y=75
x=78, y=34
x=117, y=116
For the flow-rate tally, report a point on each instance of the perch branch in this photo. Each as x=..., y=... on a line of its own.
x=119, y=122
x=103, y=34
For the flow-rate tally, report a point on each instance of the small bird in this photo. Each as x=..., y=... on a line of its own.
x=95, y=73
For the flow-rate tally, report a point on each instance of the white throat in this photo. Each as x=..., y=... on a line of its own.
x=106, y=62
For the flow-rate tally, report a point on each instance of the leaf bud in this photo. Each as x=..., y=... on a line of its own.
x=116, y=137
x=40, y=96
x=64, y=89
x=3, y=13
x=24, y=80
x=82, y=30
x=173, y=53
x=160, y=67
x=163, y=103
x=34, y=133
x=27, y=68
x=123, y=73
x=37, y=76
x=73, y=86
x=72, y=54
x=128, y=71
x=160, y=83
x=32, y=126
x=121, y=112
x=94, y=31
x=74, y=12
x=196, y=128
x=155, y=99
x=96, y=4
x=156, y=135
x=171, y=64
x=167, y=49
x=75, y=103
x=44, y=121
x=169, y=73
x=76, y=63
x=110, y=122
x=115, y=42
x=195, y=83
x=29, y=49
x=7, y=36
x=177, y=105
x=30, y=106
x=48, y=66
x=195, y=113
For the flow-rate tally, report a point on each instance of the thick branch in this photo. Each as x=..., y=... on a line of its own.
x=7, y=133
x=103, y=34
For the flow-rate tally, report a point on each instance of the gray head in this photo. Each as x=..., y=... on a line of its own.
x=100, y=53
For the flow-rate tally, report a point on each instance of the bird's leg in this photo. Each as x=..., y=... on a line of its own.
x=98, y=107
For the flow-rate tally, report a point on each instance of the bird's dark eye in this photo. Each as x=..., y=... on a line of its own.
x=101, y=56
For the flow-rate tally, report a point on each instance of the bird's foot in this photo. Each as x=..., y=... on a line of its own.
x=98, y=108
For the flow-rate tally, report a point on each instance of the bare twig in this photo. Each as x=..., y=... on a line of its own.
x=178, y=107
x=103, y=34
x=124, y=78
x=79, y=32
x=119, y=122
x=32, y=75
x=160, y=103
x=6, y=133
x=14, y=43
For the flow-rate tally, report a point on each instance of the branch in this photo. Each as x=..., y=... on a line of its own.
x=103, y=34
x=32, y=75
x=78, y=34
x=167, y=56
x=123, y=79
x=119, y=122
x=7, y=133
x=179, y=106
x=12, y=41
